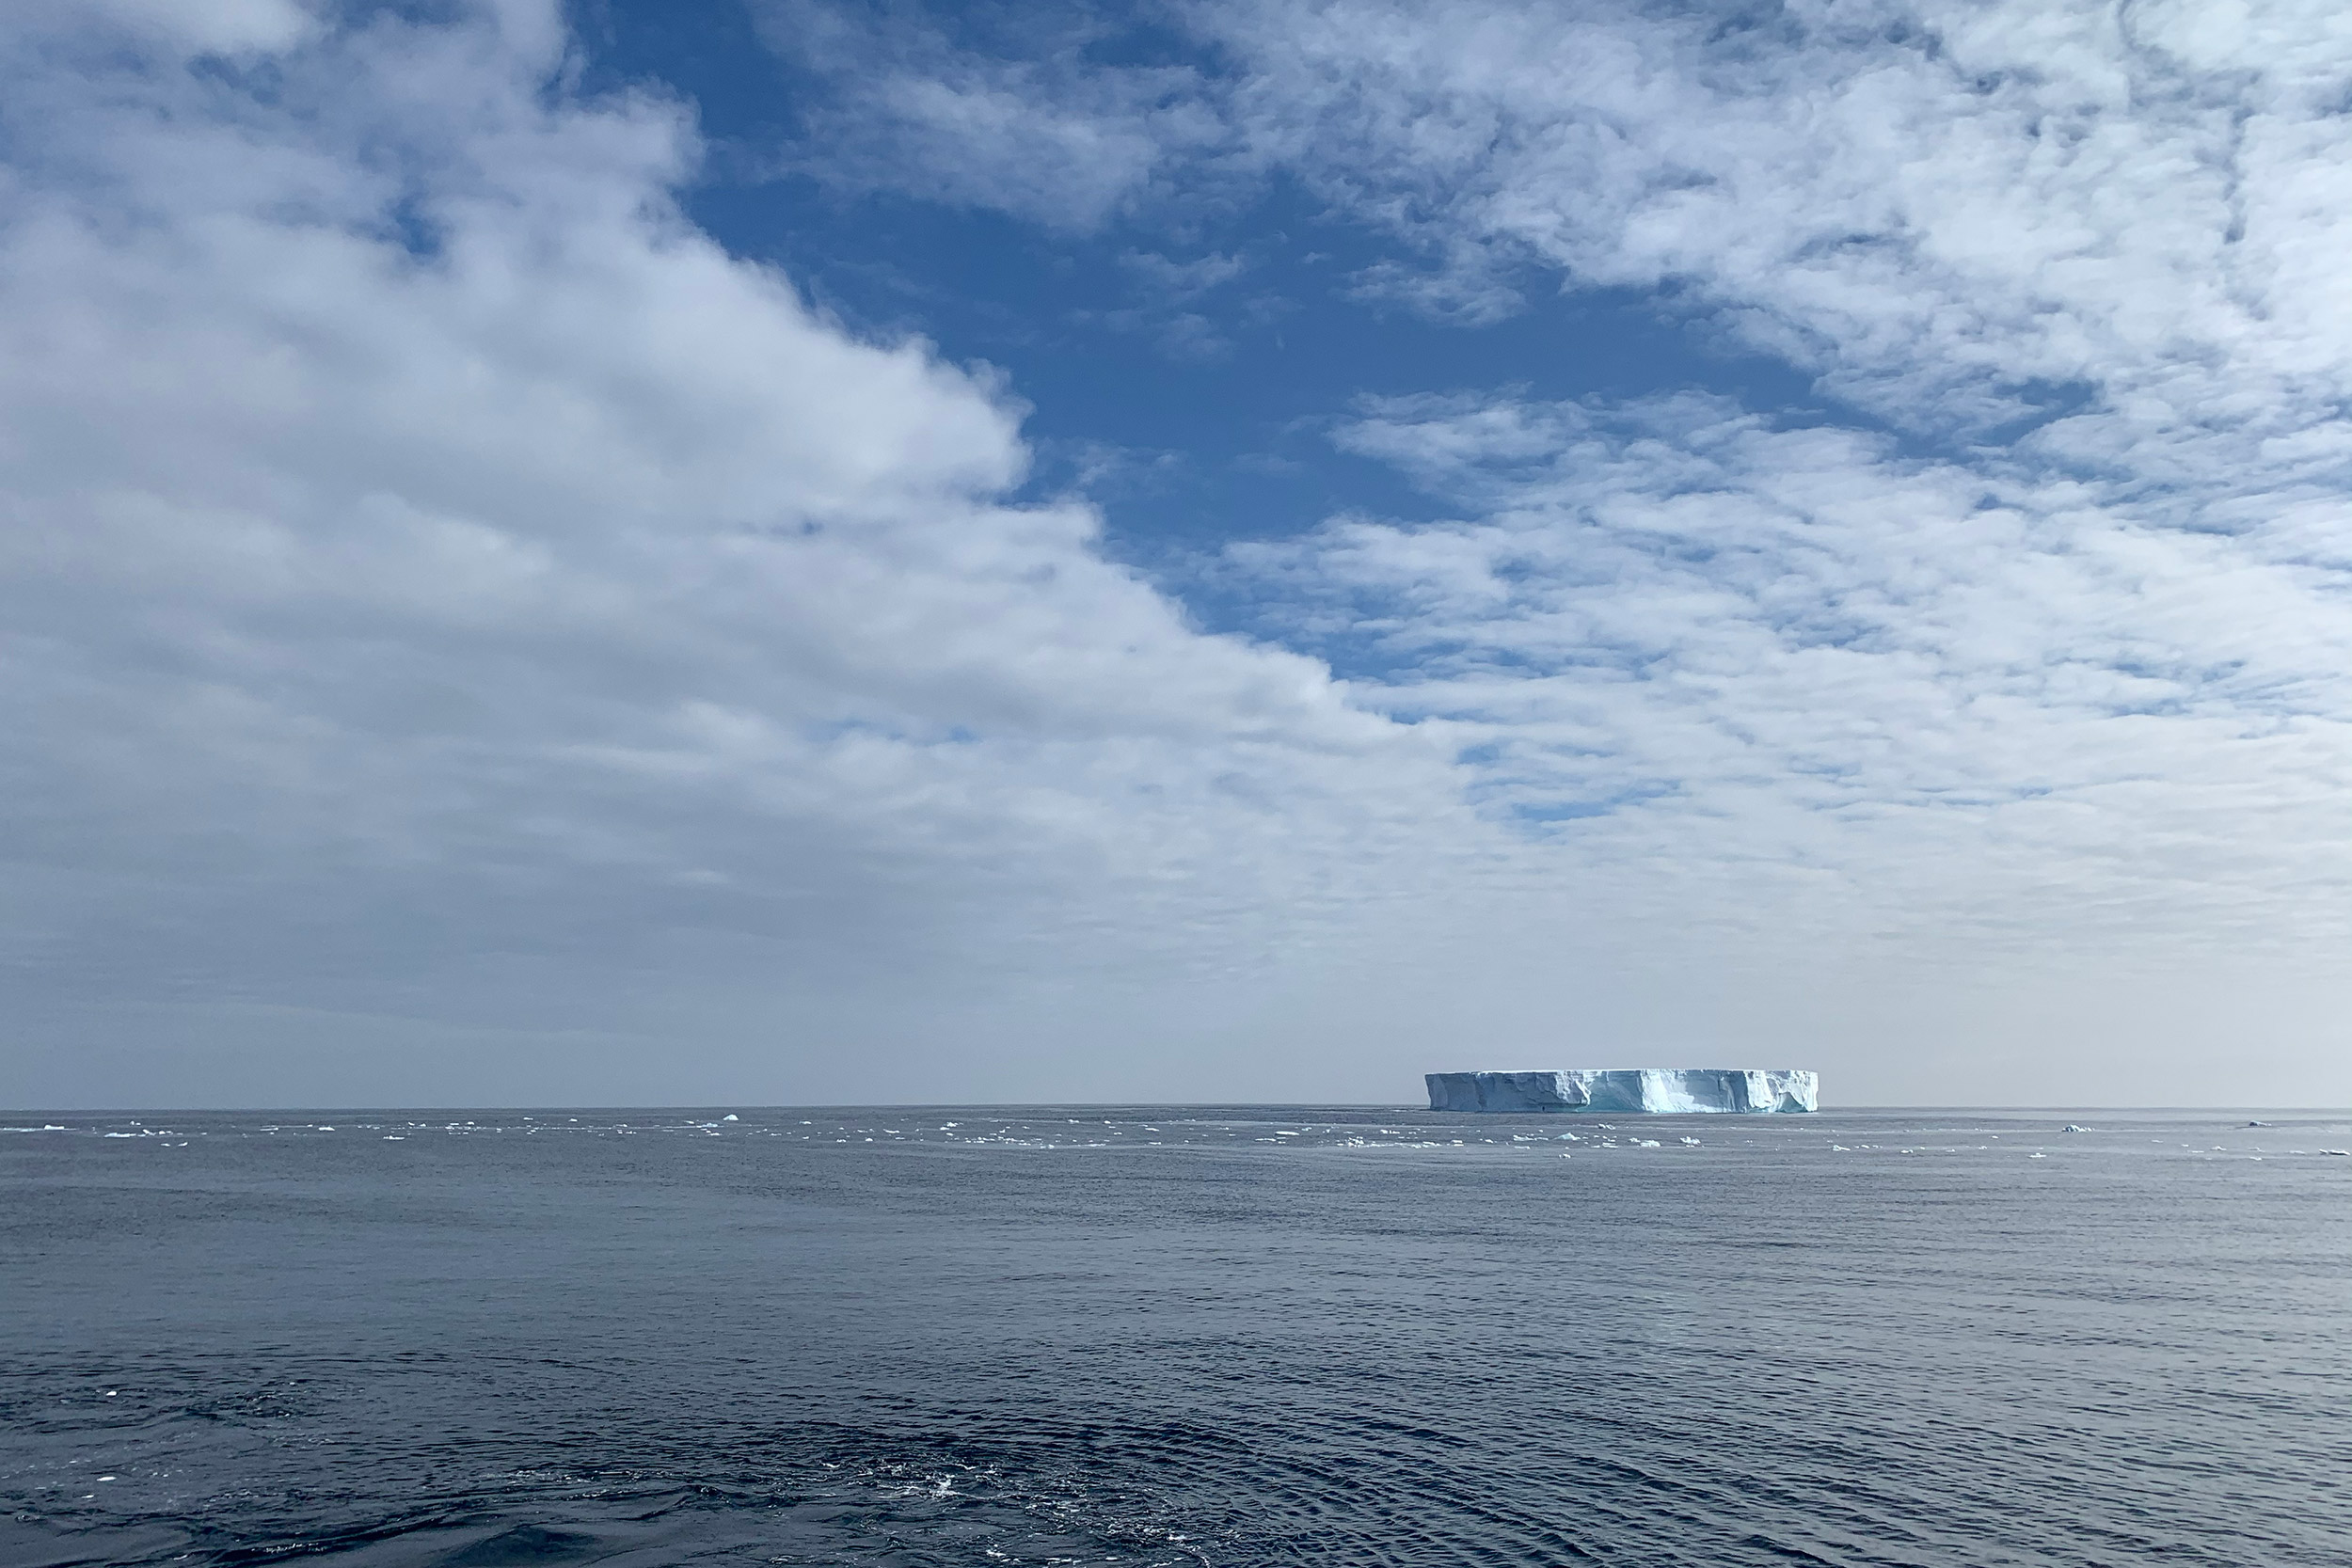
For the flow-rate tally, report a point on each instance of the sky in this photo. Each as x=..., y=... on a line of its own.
x=793, y=552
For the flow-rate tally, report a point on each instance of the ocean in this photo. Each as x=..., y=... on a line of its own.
x=1172, y=1336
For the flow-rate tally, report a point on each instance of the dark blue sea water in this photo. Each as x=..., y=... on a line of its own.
x=1160, y=1336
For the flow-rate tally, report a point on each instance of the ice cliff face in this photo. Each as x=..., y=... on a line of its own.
x=1627, y=1089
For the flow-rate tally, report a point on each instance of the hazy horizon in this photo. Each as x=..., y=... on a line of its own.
x=1421, y=1105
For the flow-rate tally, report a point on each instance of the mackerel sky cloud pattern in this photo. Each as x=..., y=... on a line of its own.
x=535, y=569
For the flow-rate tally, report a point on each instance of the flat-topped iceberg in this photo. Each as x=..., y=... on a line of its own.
x=1628, y=1090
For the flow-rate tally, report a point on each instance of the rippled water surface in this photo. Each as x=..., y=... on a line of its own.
x=1162, y=1336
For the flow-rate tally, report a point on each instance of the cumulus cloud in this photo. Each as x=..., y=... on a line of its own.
x=453, y=605
x=440, y=582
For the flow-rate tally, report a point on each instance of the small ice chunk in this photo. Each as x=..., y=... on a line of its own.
x=2073, y=1127
x=730, y=1117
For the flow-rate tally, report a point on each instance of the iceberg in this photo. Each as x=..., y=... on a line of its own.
x=1658, y=1090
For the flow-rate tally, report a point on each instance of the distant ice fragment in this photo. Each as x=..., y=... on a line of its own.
x=1678, y=1090
x=2073, y=1127
x=730, y=1117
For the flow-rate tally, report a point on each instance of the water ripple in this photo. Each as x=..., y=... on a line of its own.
x=1172, y=1336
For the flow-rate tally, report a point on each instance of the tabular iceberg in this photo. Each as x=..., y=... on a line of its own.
x=1628, y=1090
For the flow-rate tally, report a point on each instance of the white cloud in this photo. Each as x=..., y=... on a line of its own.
x=1985, y=712
x=432, y=564
x=453, y=605
x=1948, y=208
x=1462, y=290
x=190, y=26
x=1041, y=134
x=2067, y=702
x=2089, y=689
x=1933, y=204
x=1169, y=279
